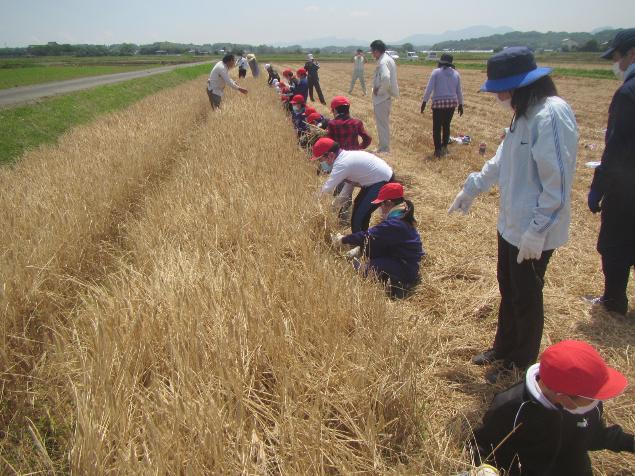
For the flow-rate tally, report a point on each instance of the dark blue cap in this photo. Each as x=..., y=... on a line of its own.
x=512, y=68
x=622, y=42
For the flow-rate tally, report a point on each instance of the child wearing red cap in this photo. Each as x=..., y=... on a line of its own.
x=547, y=423
x=344, y=129
x=393, y=247
x=302, y=85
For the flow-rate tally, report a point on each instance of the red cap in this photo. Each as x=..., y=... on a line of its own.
x=313, y=117
x=321, y=147
x=338, y=101
x=301, y=72
x=287, y=72
x=309, y=110
x=390, y=191
x=297, y=99
x=575, y=368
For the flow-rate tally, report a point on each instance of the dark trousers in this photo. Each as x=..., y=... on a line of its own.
x=214, y=100
x=363, y=208
x=521, y=314
x=315, y=83
x=242, y=73
x=441, y=119
x=616, y=266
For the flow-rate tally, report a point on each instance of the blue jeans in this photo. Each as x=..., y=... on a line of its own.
x=363, y=208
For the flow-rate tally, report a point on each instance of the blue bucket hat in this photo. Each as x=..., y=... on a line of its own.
x=512, y=68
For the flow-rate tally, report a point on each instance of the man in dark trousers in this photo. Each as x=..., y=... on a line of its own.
x=613, y=187
x=311, y=67
x=546, y=424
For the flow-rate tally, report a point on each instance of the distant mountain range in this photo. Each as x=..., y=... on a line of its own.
x=422, y=40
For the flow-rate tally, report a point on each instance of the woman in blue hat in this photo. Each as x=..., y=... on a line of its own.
x=534, y=168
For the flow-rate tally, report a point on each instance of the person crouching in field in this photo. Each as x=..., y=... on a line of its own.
x=547, y=423
x=273, y=74
x=302, y=84
x=297, y=116
x=344, y=129
x=534, y=168
x=444, y=86
x=356, y=168
x=219, y=78
x=393, y=247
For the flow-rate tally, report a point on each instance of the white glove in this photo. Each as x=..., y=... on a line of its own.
x=461, y=203
x=530, y=246
x=337, y=239
x=354, y=253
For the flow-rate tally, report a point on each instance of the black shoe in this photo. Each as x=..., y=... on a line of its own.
x=484, y=358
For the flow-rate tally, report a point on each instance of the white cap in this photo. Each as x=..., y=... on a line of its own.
x=310, y=56
x=267, y=66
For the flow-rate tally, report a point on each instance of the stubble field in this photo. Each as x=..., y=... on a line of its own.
x=171, y=304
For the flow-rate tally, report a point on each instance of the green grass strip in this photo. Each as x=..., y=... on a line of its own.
x=26, y=76
x=26, y=127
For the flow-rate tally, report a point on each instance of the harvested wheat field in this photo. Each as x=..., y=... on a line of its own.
x=171, y=304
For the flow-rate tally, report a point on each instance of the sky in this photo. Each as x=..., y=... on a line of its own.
x=24, y=22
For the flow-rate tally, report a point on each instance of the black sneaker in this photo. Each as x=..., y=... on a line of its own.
x=484, y=358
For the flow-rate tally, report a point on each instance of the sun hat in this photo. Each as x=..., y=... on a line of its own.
x=623, y=41
x=574, y=367
x=301, y=72
x=313, y=117
x=446, y=60
x=390, y=191
x=297, y=99
x=512, y=68
x=321, y=147
x=338, y=101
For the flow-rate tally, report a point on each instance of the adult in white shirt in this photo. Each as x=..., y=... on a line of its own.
x=385, y=88
x=242, y=66
x=534, y=168
x=356, y=168
x=358, y=71
x=219, y=78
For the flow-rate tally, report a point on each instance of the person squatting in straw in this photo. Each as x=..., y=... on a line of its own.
x=393, y=248
x=534, y=168
x=546, y=424
x=356, y=168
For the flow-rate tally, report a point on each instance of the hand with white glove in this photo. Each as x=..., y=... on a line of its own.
x=461, y=203
x=336, y=240
x=354, y=253
x=530, y=246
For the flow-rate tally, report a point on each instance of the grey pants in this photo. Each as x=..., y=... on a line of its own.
x=214, y=100
x=357, y=75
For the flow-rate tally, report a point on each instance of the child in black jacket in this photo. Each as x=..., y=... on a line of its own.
x=546, y=424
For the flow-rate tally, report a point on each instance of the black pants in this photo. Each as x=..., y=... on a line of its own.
x=521, y=314
x=441, y=119
x=214, y=100
x=315, y=83
x=242, y=73
x=616, y=265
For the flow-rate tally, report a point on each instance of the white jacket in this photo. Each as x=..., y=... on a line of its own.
x=385, y=80
x=534, y=168
x=357, y=168
x=219, y=78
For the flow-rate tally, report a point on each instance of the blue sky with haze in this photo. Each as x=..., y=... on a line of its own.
x=24, y=22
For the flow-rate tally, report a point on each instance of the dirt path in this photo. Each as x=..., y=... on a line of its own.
x=14, y=96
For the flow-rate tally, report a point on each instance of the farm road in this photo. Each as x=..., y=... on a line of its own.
x=22, y=94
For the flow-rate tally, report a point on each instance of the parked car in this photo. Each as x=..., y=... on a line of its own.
x=393, y=54
x=432, y=56
x=412, y=55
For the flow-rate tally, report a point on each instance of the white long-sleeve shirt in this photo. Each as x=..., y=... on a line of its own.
x=359, y=61
x=385, y=80
x=357, y=168
x=219, y=78
x=534, y=168
x=241, y=63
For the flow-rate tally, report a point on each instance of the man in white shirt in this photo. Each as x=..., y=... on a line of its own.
x=242, y=66
x=356, y=168
x=219, y=78
x=385, y=88
x=358, y=71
